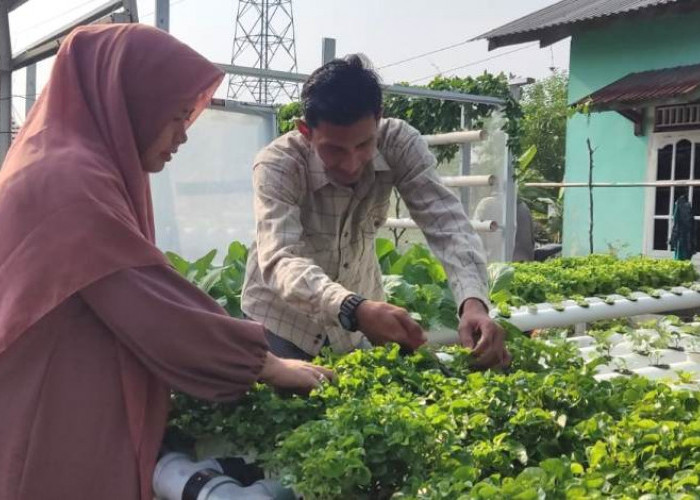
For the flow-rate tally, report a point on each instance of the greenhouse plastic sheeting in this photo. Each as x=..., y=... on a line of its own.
x=203, y=198
x=490, y=157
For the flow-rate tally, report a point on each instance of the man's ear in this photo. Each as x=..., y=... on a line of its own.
x=304, y=128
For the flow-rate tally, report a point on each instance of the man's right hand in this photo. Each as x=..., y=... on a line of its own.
x=382, y=322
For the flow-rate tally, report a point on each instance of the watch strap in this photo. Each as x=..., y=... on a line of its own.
x=348, y=311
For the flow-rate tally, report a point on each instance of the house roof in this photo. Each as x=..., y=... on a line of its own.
x=663, y=86
x=561, y=19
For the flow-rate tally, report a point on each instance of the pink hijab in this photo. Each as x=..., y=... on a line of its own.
x=75, y=203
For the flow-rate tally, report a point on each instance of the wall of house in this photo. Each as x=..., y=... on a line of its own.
x=598, y=58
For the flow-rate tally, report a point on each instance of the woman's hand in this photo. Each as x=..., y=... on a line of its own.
x=293, y=375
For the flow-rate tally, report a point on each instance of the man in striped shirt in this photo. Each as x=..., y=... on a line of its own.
x=321, y=194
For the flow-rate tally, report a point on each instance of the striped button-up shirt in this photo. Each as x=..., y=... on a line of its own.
x=315, y=239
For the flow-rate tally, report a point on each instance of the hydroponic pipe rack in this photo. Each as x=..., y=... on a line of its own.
x=595, y=309
x=587, y=310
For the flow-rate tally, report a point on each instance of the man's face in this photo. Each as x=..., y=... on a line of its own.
x=344, y=149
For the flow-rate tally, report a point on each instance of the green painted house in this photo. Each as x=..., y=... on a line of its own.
x=637, y=65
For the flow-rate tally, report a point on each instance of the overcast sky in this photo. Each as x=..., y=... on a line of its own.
x=387, y=31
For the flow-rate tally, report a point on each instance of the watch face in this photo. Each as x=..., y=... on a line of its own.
x=345, y=321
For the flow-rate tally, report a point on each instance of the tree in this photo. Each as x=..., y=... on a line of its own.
x=545, y=111
x=543, y=127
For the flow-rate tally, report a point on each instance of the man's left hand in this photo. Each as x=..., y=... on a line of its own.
x=479, y=332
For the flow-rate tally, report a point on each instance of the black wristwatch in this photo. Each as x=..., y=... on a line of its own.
x=348, y=312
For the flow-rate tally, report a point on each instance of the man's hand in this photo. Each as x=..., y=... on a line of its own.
x=293, y=374
x=479, y=332
x=382, y=322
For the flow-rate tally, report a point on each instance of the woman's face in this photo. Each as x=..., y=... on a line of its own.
x=166, y=144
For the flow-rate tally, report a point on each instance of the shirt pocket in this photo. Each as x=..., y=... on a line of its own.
x=374, y=219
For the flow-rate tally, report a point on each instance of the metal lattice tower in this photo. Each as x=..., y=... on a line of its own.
x=264, y=38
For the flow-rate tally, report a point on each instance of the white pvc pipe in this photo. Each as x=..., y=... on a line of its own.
x=486, y=226
x=462, y=137
x=174, y=471
x=545, y=316
x=468, y=180
x=225, y=488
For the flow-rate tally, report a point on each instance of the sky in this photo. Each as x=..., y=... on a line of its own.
x=387, y=31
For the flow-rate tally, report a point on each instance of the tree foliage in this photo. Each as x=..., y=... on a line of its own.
x=543, y=125
x=287, y=115
x=432, y=116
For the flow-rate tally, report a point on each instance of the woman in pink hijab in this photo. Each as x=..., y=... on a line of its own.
x=95, y=327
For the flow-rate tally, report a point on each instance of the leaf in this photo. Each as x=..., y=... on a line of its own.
x=512, y=331
x=383, y=247
x=201, y=266
x=576, y=469
x=526, y=158
x=237, y=253
x=180, y=264
x=419, y=266
x=686, y=477
x=500, y=278
x=398, y=291
x=211, y=279
x=555, y=467
x=598, y=452
x=691, y=442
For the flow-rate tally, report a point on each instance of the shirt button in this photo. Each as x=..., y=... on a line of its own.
x=346, y=265
x=345, y=235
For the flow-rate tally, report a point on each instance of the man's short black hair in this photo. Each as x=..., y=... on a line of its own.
x=342, y=92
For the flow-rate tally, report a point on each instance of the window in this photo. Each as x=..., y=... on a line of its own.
x=677, y=161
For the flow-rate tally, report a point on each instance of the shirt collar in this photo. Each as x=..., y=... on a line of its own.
x=317, y=173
